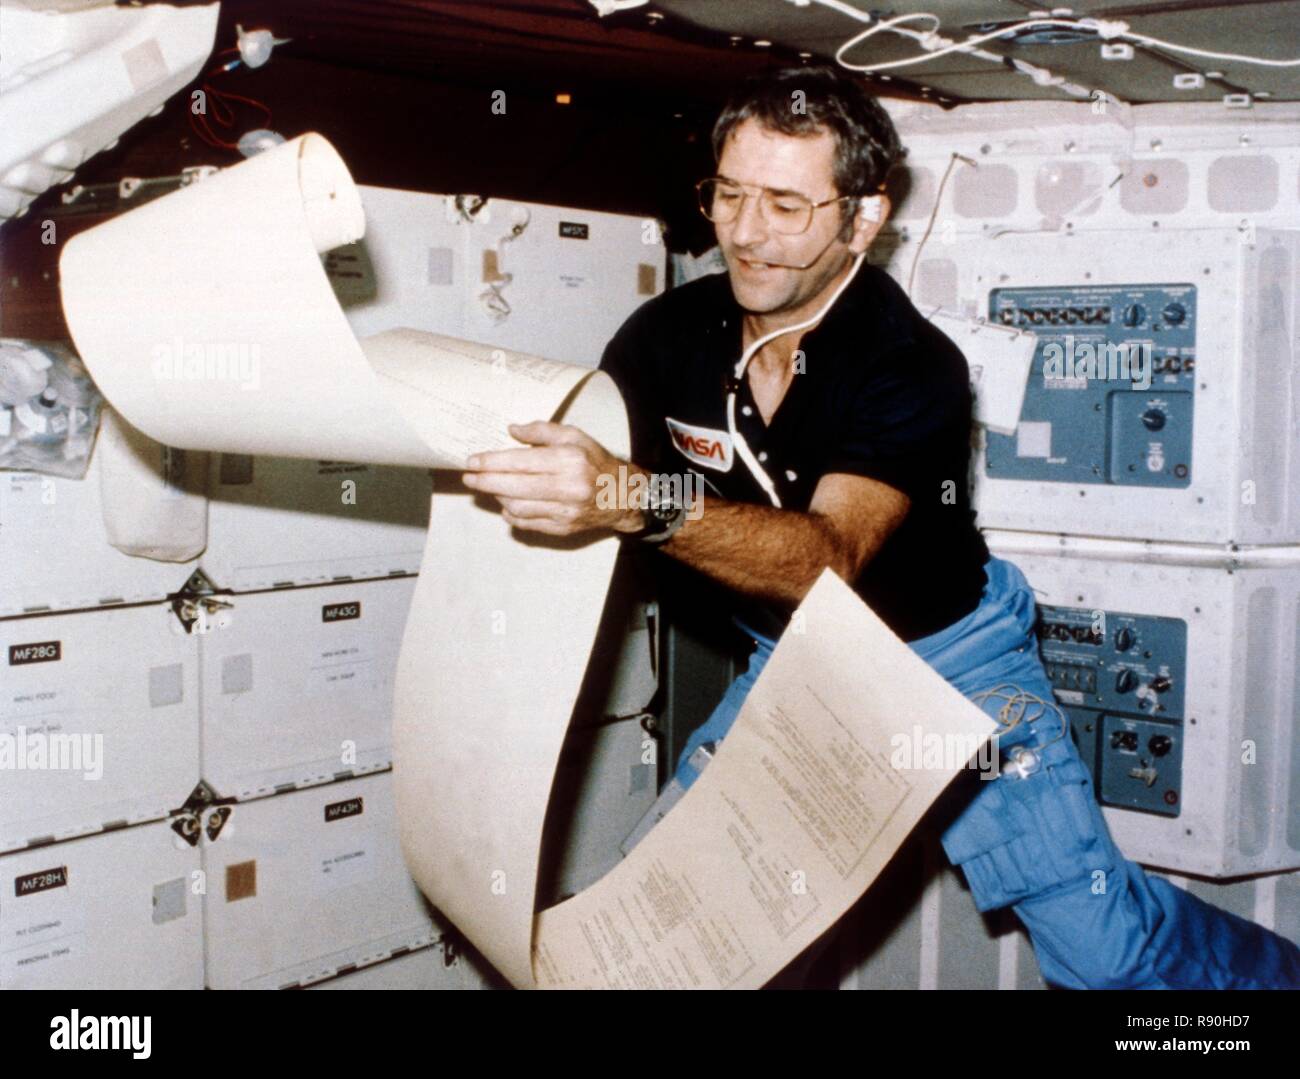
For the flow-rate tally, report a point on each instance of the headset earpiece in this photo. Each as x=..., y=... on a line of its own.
x=869, y=209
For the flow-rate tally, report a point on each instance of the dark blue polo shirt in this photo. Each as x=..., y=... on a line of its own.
x=883, y=394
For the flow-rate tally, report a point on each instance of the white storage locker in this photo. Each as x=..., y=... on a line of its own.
x=307, y=884
x=100, y=713
x=121, y=910
x=297, y=685
x=55, y=550
x=277, y=521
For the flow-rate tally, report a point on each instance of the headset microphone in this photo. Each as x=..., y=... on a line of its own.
x=803, y=265
x=869, y=208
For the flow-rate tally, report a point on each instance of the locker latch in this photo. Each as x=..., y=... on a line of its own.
x=186, y=825
x=195, y=612
x=216, y=821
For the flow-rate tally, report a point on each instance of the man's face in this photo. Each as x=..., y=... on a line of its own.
x=755, y=155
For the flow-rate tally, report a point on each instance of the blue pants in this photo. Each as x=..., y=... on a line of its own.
x=1035, y=839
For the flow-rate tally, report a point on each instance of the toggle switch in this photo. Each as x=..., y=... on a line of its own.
x=1147, y=775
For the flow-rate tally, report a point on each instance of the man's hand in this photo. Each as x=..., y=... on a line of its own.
x=551, y=485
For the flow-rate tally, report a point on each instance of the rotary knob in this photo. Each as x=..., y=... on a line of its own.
x=1135, y=314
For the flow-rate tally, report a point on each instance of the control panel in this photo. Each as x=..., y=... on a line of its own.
x=1121, y=680
x=1111, y=388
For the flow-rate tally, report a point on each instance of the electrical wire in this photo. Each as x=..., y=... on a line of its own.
x=937, y=45
x=942, y=45
x=738, y=441
x=934, y=213
x=218, y=102
x=1208, y=54
x=1015, y=709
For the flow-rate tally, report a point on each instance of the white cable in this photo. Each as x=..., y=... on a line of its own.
x=746, y=454
x=888, y=24
x=940, y=46
x=934, y=214
x=742, y=447
x=1206, y=53
x=948, y=45
x=936, y=45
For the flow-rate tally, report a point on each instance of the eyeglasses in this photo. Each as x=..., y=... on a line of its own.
x=784, y=212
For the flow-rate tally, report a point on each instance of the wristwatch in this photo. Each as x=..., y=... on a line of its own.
x=663, y=514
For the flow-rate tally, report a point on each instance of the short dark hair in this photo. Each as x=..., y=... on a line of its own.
x=866, y=145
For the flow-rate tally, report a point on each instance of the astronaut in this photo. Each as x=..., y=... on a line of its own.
x=829, y=423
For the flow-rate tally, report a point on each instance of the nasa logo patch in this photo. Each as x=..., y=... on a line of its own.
x=703, y=446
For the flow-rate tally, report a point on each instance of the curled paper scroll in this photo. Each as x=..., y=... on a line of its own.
x=208, y=322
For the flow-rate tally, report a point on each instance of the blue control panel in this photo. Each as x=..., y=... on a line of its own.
x=1112, y=386
x=1121, y=680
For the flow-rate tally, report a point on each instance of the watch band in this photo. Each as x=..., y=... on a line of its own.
x=662, y=514
x=660, y=531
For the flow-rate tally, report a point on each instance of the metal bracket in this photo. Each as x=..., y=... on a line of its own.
x=130, y=191
x=196, y=602
x=200, y=798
